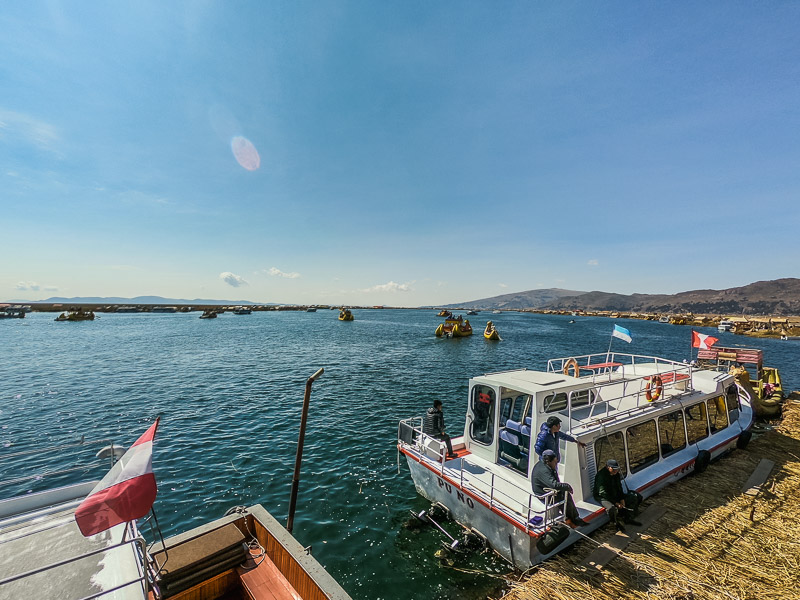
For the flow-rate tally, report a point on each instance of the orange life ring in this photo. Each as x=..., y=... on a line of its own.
x=572, y=364
x=654, y=388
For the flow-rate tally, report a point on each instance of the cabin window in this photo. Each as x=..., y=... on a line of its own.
x=482, y=405
x=696, y=424
x=511, y=408
x=642, y=445
x=610, y=446
x=717, y=413
x=671, y=434
x=558, y=402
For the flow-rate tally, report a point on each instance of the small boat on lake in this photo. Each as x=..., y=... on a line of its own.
x=659, y=419
x=164, y=309
x=346, y=315
x=472, y=312
x=12, y=314
x=490, y=333
x=445, y=313
x=311, y=309
x=209, y=314
x=725, y=325
x=76, y=315
x=454, y=327
x=241, y=310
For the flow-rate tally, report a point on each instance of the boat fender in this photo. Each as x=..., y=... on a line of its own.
x=571, y=364
x=654, y=388
x=552, y=539
x=744, y=439
x=702, y=461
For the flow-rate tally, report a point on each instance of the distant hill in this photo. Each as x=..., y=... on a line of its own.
x=138, y=300
x=518, y=300
x=776, y=297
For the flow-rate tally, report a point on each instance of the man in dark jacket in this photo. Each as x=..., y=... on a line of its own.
x=549, y=435
x=608, y=492
x=433, y=425
x=544, y=478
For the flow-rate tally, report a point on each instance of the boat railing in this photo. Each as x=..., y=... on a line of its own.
x=538, y=512
x=37, y=452
x=607, y=370
x=138, y=545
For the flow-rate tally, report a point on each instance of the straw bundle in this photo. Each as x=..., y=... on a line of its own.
x=714, y=542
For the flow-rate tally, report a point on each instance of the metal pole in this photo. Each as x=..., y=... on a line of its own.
x=299, y=458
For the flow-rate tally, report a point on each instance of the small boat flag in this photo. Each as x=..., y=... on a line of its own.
x=702, y=341
x=127, y=491
x=622, y=333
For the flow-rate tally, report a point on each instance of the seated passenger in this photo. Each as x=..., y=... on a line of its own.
x=608, y=492
x=433, y=425
x=544, y=478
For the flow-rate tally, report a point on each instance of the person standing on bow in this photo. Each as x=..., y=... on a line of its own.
x=549, y=436
x=433, y=425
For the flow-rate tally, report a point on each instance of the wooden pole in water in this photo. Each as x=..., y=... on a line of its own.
x=299, y=458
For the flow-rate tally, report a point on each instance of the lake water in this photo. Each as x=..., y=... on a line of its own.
x=229, y=391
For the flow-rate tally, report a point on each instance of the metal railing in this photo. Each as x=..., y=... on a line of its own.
x=674, y=372
x=537, y=512
x=137, y=543
x=60, y=448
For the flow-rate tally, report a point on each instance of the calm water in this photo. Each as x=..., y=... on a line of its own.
x=230, y=389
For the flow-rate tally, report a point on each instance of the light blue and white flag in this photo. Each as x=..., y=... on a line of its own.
x=622, y=333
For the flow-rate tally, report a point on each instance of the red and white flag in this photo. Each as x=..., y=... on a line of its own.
x=127, y=492
x=702, y=341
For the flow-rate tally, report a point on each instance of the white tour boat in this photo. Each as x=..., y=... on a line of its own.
x=725, y=325
x=660, y=419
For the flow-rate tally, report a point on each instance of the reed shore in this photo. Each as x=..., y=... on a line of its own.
x=715, y=541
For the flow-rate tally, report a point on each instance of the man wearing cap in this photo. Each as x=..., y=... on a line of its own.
x=549, y=436
x=608, y=492
x=544, y=478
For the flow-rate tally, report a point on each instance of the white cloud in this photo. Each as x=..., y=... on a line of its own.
x=28, y=286
x=23, y=127
x=390, y=287
x=50, y=288
x=278, y=273
x=232, y=279
x=502, y=285
x=593, y=263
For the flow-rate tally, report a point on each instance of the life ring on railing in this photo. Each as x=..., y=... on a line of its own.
x=654, y=388
x=572, y=364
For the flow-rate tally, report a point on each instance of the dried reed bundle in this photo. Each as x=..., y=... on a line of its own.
x=714, y=542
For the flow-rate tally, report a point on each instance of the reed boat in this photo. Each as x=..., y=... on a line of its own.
x=454, y=327
x=490, y=333
x=346, y=315
x=660, y=419
x=445, y=313
x=245, y=554
x=75, y=315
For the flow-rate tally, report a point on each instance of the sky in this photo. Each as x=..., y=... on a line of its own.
x=401, y=153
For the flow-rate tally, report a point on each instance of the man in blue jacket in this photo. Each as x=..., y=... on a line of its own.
x=550, y=434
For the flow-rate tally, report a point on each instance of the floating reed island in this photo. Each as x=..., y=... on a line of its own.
x=721, y=536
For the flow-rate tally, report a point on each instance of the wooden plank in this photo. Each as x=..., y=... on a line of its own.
x=603, y=555
x=758, y=477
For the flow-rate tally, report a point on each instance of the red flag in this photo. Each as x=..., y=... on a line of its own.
x=127, y=491
x=702, y=341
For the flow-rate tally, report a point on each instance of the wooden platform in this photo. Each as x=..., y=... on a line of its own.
x=758, y=477
x=265, y=582
x=603, y=555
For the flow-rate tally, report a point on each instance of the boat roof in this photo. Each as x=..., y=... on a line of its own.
x=529, y=381
x=39, y=530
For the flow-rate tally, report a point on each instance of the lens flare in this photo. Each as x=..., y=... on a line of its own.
x=245, y=153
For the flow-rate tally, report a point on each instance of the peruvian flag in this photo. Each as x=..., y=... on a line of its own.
x=127, y=492
x=702, y=341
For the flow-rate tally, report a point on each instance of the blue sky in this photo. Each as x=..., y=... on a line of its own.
x=409, y=153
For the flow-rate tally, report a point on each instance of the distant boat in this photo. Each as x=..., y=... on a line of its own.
x=311, y=309
x=127, y=309
x=663, y=319
x=209, y=314
x=490, y=333
x=472, y=312
x=725, y=325
x=496, y=312
x=164, y=309
x=346, y=315
x=76, y=315
x=241, y=310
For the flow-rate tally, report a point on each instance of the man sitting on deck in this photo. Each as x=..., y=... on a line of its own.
x=549, y=435
x=608, y=492
x=544, y=478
